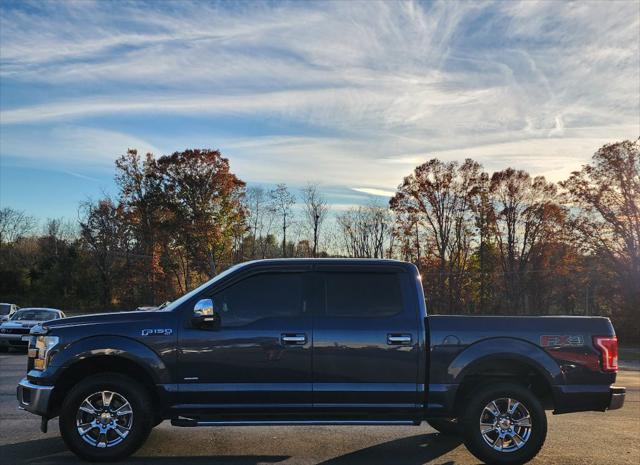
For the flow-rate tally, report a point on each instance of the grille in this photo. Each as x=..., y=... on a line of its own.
x=17, y=330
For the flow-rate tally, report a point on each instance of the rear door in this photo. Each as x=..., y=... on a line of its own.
x=365, y=349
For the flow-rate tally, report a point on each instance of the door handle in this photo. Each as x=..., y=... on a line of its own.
x=293, y=339
x=399, y=339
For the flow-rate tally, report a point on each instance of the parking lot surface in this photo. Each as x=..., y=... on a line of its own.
x=573, y=439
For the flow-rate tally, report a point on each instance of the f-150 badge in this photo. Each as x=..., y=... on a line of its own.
x=157, y=332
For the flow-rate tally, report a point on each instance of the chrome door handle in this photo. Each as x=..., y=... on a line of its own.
x=293, y=339
x=398, y=339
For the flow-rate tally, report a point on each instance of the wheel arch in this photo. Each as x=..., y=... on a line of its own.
x=506, y=359
x=121, y=355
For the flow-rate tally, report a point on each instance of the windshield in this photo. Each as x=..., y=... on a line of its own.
x=4, y=309
x=176, y=303
x=37, y=315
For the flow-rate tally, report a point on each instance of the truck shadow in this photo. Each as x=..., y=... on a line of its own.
x=413, y=450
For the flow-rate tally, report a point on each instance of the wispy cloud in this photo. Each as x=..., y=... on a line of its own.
x=353, y=93
x=70, y=147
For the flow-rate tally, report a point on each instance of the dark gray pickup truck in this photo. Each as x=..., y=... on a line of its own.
x=326, y=342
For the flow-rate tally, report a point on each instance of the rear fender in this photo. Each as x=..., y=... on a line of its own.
x=509, y=349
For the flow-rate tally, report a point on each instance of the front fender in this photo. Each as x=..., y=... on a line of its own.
x=93, y=346
x=504, y=348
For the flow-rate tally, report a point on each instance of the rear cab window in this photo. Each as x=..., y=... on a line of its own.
x=362, y=294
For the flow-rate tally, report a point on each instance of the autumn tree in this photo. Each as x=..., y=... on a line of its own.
x=437, y=197
x=205, y=202
x=526, y=215
x=281, y=203
x=484, y=222
x=316, y=211
x=144, y=210
x=605, y=196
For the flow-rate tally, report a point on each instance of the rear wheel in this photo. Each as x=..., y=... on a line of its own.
x=106, y=417
x=4, y=349
x=447, y=426
x=504, y=424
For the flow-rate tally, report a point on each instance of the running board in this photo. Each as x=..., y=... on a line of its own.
x=190, y=422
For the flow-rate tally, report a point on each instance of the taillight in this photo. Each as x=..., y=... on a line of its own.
x=608, y=346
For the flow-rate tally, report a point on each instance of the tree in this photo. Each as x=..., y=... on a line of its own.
x=281, y=202
x=606, y=214
x=205, y=202
x=484, y=219
x=140, y=196
x=14, y=224
x=260, y=219
x=107, y=238
x=365, y=231
x=436, y=198
x=316, y=211
x=526, y=215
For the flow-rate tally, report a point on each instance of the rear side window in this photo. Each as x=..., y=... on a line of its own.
x=363, y=295
x=267, y=295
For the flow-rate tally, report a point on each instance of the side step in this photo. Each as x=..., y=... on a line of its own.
x=191, y=422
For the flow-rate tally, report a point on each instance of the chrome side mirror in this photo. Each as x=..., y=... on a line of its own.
x=204, y=316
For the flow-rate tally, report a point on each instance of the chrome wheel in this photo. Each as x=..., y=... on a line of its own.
x=104, y=419
x=505, y=424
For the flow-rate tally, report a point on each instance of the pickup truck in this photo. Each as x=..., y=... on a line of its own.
x=316, y=341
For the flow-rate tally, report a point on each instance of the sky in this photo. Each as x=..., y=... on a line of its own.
x=350, y=95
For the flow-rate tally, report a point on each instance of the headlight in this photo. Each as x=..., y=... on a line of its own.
x=43, y=345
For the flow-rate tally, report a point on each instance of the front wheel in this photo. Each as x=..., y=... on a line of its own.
x=106, y=417
x=504, y=424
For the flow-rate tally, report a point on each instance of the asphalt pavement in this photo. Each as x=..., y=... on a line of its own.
x=584, y=438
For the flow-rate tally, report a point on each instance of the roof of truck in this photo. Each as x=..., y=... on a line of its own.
x=327, y=261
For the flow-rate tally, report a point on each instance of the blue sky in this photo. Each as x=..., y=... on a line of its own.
x=351, y=95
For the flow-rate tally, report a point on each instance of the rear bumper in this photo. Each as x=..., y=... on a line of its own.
x=617, y=397
x=34, y=398
x=582, y=398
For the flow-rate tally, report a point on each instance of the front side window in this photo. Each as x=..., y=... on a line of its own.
x=267, y=295
x=363, y=295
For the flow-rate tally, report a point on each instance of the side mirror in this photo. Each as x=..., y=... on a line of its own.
x=204, y=316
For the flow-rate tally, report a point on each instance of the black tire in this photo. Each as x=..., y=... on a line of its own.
x=141, y=420
x=475, y=409
x=446, y=426
x=4, y=349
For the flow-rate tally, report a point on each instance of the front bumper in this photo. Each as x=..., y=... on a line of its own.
x=34, y=398
x=13, y=340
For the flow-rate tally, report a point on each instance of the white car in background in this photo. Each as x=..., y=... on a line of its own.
x=15, y=332
x=7, y=311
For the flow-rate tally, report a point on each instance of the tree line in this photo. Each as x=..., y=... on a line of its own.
x=504, y=242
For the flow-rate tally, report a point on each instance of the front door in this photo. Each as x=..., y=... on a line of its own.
x=260, y=357
x=366, y=347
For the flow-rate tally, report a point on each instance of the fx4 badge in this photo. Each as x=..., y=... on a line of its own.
x=157, y=332
x=561, y=341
